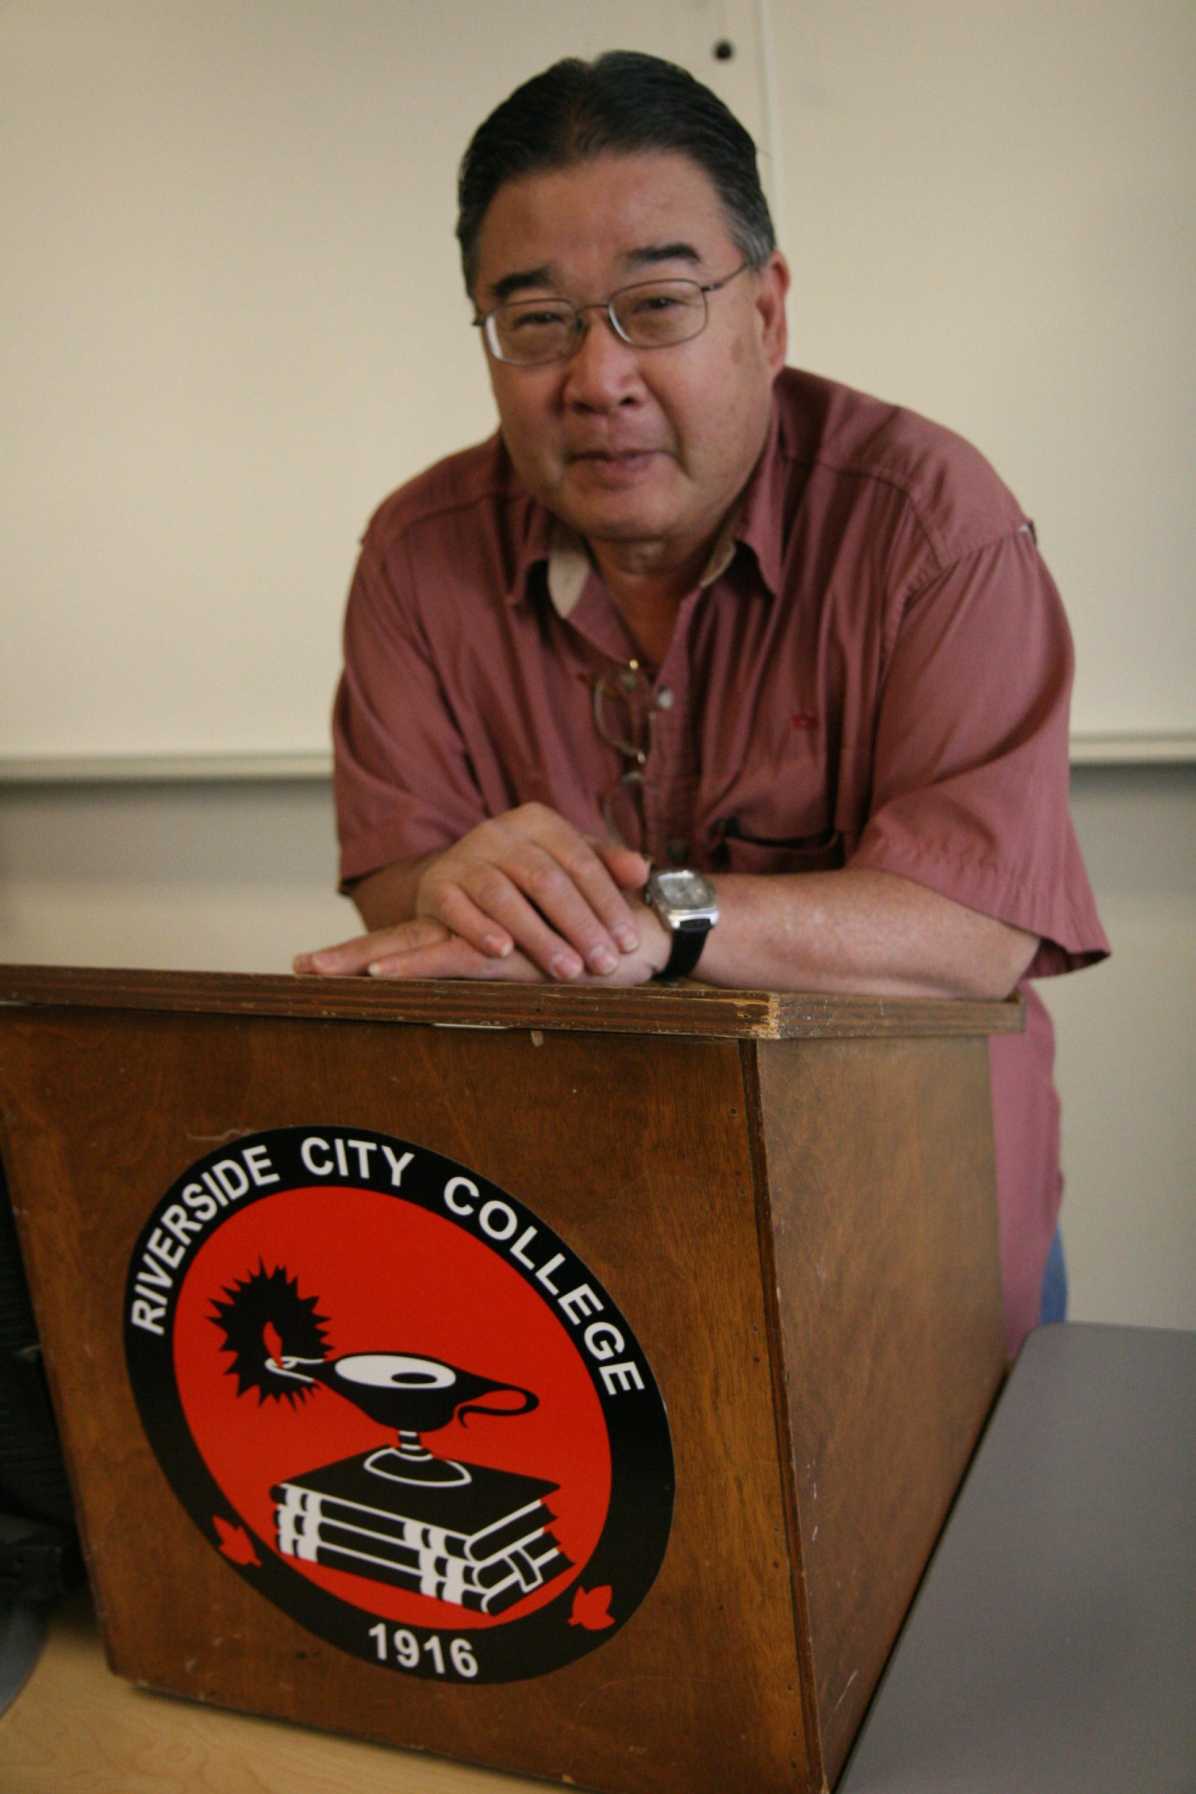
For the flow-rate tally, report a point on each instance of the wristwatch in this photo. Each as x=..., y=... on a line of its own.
x=686, y=903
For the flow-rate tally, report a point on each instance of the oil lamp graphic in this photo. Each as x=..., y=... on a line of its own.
x=473, y=1535
x=413, y=1395
x=278, y=1345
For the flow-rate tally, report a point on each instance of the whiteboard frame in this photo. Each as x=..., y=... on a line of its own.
x=1088, y=749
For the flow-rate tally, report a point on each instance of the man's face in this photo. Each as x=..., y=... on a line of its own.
x=643, y=452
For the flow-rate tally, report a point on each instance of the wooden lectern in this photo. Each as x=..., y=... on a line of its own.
x=568, y=1381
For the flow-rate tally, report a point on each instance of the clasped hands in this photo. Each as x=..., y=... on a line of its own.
x=523, y=896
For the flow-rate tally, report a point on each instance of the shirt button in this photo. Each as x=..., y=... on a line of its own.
x=678, y=850
x=664, y=698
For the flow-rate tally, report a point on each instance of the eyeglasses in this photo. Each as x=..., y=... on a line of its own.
x=652, y=314
x=624, y=721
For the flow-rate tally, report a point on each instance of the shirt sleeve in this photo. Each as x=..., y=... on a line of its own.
x=403, y=782
x=970, y=761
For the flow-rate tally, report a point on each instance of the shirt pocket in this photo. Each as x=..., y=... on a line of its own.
x=739, y=851
x=778, y=816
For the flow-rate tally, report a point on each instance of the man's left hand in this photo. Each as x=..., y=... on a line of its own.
x=425, y=948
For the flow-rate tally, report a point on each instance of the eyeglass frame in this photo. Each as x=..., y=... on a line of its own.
x=631, y=680
x=484, y=321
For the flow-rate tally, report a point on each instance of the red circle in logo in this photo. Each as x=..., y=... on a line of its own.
x=387, y=1277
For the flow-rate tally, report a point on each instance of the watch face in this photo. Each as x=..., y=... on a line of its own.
x=685, y=889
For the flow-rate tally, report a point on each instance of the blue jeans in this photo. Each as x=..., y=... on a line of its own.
x=1054, y=1285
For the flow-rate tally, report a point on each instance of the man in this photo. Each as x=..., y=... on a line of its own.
x=693, y=609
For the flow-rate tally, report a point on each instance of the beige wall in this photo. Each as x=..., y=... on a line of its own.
x=1126, y=1033
x=237, y=876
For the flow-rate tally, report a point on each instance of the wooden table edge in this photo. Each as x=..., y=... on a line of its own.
x=692, y=1009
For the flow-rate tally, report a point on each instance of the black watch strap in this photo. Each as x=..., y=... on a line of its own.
x=687, y=942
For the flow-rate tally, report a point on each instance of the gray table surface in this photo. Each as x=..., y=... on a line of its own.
x=1052, y=1645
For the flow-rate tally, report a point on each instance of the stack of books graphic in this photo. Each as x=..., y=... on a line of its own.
x=482, y=1544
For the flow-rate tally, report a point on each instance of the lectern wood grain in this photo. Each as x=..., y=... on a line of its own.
x=883, y=1365
x=800, y=1232
x=691, y=1010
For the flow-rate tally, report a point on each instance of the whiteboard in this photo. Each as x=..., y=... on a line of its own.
x=234, y=315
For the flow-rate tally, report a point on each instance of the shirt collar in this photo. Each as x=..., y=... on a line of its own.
x=761, y=521
x=569, y=566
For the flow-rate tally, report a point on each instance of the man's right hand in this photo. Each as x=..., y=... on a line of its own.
x=524, y=882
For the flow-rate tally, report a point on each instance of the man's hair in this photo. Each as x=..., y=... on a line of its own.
x=624, y=102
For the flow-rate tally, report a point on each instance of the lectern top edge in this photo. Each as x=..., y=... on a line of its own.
x=688, y=1009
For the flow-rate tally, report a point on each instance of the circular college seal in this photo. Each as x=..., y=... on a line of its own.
x=398, y=1404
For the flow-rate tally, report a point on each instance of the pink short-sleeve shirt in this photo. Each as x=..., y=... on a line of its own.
x=875, y=672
